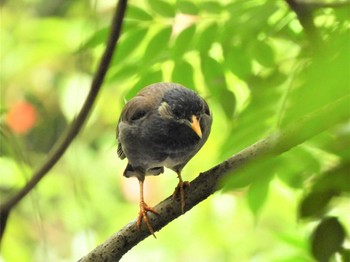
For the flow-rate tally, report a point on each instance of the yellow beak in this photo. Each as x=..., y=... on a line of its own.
x=196, y=127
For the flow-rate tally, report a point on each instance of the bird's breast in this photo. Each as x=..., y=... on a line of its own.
x=156, y=143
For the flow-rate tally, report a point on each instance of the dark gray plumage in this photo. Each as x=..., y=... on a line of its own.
x=164, y=125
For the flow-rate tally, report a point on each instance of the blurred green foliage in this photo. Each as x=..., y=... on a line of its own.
x=252, y=62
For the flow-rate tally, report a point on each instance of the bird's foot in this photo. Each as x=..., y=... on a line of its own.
x=143, y=215
x=180, y=190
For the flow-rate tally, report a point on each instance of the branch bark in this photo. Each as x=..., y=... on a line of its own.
x=208, y=182
x=60, y=147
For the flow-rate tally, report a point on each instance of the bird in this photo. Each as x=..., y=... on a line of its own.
x=164, y=125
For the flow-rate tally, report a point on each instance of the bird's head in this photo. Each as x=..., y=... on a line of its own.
x=185, y=107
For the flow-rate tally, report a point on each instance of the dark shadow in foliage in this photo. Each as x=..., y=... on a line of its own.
x=327, y=239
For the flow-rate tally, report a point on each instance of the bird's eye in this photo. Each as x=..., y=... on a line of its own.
x=178, y=113
x=138, y=115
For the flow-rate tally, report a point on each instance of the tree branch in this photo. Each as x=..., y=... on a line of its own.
x=60, y=147
x=208, y=182
x=321, y=4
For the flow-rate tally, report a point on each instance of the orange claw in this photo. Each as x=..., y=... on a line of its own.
x=143, y=215
x=180, y=190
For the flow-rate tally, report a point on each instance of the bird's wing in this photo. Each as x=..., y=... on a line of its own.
x=120, y=151
x=138, y=107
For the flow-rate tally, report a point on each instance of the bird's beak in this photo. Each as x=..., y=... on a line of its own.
x=196, y=127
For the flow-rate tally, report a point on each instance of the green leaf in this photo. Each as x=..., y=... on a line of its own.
x=129, y=25
x=260, y=169
x=228, y=102
x=211, y=7
x=123, y=72
x=149, y=77
x=162, y=8
x=323, y=81
x=3, y=111
x=298, y=163
x=183, y=42
x=263, y=53
x=315, y=204
x=345, y=254
x=156, y=45
x=336, y=180
x=96, y=39
x=326, y=186
x=207, y=37
x=214, y=75
x=327, y=239
x=239, y=62
x=135, y=12
x=309, y=162
x=187, y=7
x=257, y=194
x=257, y=119
x=183, y=74
x=129, y=44
x=290, y=174
x=215, y=80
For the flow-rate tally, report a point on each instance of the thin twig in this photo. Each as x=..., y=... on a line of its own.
x=208, y=182
x=60, y=147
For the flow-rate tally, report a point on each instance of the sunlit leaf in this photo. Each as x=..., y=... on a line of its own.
x=292, y=239
x=254, y=15
x=291, y=174
x=149, y=77
x=250, y=129
x=183, y=73
x=257, y=194
x=187, y=7
x=215, y=80
x=327, y=239
x=96, y=39
x=130, y=24
x=228, y=102
x=298, y=164
x=214, y=75
x=183, y=42
x=122, y=72
x=161, y=7
x=263, y=53
x=135, y=12
x=156, y=45
x=324, y=81
x=258, y=118
x=207, y=37
x=211, y=6
x=129, y=44
x=335, y=141
x=239, y=62
x=309, y=161
x=259, y=171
